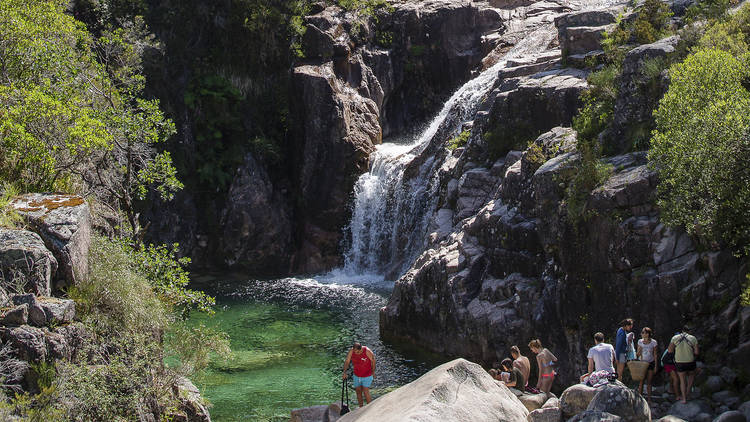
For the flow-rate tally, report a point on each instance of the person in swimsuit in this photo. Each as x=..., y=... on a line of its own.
x=545, y=361
x=364, y=370
x=516, y=378
x=522, y=363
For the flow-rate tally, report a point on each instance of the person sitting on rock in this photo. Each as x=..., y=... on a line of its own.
x=601, y=357
x=516, y=379
x=648, y=350
x=545, y=361
x=685, y=349
x=499, y=375
x=621, y=345
x=364, y=370
x=522, y=363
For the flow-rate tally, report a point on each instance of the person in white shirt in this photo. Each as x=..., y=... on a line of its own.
x=601, y=357
x=648, y=350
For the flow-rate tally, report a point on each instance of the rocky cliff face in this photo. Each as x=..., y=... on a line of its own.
x=505, y=264
x=362, y=78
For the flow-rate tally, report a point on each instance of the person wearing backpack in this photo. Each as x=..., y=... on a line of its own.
x=685, y=349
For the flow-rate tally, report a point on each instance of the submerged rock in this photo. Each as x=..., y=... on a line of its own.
x=455, y=391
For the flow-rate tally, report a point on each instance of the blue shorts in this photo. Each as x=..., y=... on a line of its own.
x=622, y=358
x=362, y=381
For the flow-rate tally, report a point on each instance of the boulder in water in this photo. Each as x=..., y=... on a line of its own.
x=617, y=399
x=455, y=391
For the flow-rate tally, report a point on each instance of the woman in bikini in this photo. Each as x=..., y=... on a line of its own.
x=545, y=361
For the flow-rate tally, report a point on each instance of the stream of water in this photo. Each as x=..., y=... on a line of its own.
x=289, y=338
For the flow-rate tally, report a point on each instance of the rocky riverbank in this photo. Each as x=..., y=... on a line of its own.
x=39, y=325
x=505, y=263
x=461, y=390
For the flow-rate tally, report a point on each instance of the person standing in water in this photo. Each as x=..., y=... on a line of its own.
x=364, y=370
x=545, y=361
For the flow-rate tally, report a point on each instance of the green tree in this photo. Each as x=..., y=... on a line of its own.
x=701, y=147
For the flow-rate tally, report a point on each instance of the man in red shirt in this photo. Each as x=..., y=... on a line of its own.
x=364, y=370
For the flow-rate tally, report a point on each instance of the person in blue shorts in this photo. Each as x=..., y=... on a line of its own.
x=363, y=361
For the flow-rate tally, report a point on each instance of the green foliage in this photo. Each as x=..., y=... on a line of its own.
x=701, y=147
x=116, y=294
x=364, y=7
x=598, y=104
x=9, y=218
x=709, y=9
x=459, y=140
x=731, y=34
x=73, y=111
x=166, y=273
x=384, y=38
x=745, y=295
x=650, y=24
x=119, y=380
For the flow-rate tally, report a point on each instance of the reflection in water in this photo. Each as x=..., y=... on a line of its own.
x=289, y=338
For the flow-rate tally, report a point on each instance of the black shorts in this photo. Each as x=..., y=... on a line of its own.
x=685, y=367
x=651, y=366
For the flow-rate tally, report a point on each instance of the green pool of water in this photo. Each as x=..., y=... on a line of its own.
x=289, y=338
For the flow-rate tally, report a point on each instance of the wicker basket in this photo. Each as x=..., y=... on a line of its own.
x=638, y=369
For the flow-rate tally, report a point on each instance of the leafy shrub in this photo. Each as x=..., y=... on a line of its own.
x=166, y=273
x=701, y=147
x=459, y=140
x=9, y=218
x=192, y=346
x=116, y=294
x=598, y=103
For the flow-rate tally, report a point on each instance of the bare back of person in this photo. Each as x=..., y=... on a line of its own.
x=523, y=364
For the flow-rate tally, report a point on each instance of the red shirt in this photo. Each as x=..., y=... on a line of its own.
x=362, y=363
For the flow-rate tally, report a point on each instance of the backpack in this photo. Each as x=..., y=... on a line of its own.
x=667, y=358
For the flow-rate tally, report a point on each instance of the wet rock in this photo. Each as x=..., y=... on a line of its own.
x=256, y=223
x=545, y=414
x=455, y=391
x=64, y=223
x=731, y=416
x=338, y=132
x=15, y=316
x=26, y=261
x=576, y=398
x=670, y=418
x=595, y=416
x=619, y=400
x=190, y=399
x=29, y=342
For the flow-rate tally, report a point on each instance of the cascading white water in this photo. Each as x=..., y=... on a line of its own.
x=391, y=211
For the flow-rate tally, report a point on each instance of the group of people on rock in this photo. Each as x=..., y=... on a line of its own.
x=678, y=360
x=607, y=363
x=515, y=372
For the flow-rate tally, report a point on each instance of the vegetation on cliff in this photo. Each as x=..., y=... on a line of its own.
x=76, y=120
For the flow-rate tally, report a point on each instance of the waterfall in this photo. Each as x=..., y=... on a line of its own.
x=391, y=209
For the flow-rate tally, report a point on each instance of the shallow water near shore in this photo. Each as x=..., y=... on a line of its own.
x=289, y=338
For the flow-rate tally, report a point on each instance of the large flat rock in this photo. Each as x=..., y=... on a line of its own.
x=64, y=223
x=455, y=391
